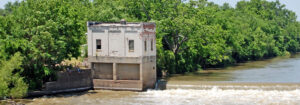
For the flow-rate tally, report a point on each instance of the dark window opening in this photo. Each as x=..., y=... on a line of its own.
x=145, y=43
x=98, y=44
x=131, y=45
x=151, y=44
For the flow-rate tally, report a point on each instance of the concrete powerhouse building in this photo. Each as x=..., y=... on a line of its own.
x=122, y=55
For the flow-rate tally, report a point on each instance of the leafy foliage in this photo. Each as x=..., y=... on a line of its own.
x=11, y=83
x=191, y=35
x=46, y=33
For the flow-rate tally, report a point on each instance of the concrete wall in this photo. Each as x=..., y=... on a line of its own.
x=148, y=35
x=71, y=80
x=114, y=39
x=105, y=59
x=115, y=36
x=135, y=85
x=149, y=71
x=128, y=71
x=103, y=71
x=128, y=68
x=133, y=35
x=104, y=40
x=116, y=43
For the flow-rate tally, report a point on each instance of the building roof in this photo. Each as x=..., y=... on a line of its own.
x=121, y=23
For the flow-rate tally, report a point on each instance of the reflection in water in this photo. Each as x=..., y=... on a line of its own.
x=281, y=69
x=269, y=82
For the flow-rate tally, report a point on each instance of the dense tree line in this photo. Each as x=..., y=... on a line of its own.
x=191, y=35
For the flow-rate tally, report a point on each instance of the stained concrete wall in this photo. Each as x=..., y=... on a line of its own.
x=149, y=71
x=135, y=85
x=133, y=35
x=129, y=68
x=148, y=35
x=107, y=59
x=116, y=44
x=128, y=71
x=115, y=37
x=148, y=52
x=95, y=35
x=71, y=80
x=103, y=71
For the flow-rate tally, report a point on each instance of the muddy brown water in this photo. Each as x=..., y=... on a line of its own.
x=267, y=82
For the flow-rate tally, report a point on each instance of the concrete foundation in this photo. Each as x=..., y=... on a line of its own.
x=123, y=73
x=71, y=80
x=103, y=71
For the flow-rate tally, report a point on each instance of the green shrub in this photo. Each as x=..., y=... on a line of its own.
x=11, y=83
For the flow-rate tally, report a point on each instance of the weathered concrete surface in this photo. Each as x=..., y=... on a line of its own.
x=109, y=59
x=149, y=71
x=103, y=71
x=67, y=81
x=115, y=39
x=122, y=55
x=124, y=68
x=71, y=80
x=135, y=85
x=128, y=71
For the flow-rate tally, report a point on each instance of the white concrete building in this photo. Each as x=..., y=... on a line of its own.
x=122, y=55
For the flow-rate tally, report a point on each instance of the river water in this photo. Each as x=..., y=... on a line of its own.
x=268, y=82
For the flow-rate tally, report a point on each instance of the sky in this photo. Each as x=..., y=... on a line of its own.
x=3, y=2
x=290, y=4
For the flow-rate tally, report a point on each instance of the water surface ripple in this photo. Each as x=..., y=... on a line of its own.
x=268, y=82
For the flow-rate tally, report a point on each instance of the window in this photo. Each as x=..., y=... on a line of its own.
x=151, y=44
x=145, y=43
x=98, y=44
x=131, y=45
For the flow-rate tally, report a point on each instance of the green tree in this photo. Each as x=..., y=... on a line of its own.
x=191, y=35
x=11, y=83
x=45, y=33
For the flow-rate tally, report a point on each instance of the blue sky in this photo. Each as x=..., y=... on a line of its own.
x=293, y=5
x=3, y=2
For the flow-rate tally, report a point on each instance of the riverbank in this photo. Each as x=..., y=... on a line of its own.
x=175, y=96
x=270, y=81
